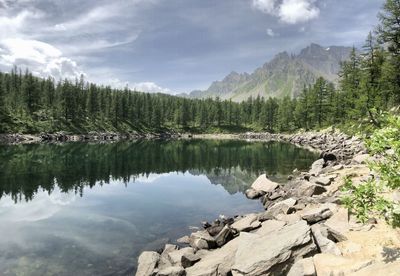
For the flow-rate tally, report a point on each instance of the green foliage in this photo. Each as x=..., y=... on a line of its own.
x=371, y=197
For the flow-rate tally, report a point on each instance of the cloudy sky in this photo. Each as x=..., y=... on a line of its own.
x=170, y=45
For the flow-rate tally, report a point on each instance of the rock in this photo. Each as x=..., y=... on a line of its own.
x=291, y=218
x=337, y=167
x=349, y=247
x=317, y=166
x=325, y=181
x=279, y=208
x=176, y=256
x=202, y=240
x=361, y=158
x=218, y=261
x=323, y=243
x=258, y=255
x=317, y=214
x=303, y=267
x=334, y=235
x=213, y=230
x=332, y=265
x=184, y=240
x=247, y=223
x=306, y=189
x=263, y=184
x=290, y=177
x=172, y=271
x=253, y=194
x=189, y=260
x=147, y=262
x=339, y=221
x=224, y=236
x=387, y=269
x=269, y=226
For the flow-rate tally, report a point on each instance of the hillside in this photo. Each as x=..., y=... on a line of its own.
x=284, y=75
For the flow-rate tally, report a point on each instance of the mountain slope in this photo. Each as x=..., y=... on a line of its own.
x=284, y=75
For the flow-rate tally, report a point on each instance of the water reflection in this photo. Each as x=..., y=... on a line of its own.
x=90, y=209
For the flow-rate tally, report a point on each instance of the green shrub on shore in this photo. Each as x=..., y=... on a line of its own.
x=375, y=196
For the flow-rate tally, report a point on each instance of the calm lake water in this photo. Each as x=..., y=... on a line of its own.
x=90, y=209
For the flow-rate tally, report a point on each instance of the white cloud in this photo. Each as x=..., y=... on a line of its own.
x=40, y=57
x=289, y=11
x=149, y=87
x=295, y=11
x=270, y=32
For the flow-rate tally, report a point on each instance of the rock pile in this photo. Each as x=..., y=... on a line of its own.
x=303, y=230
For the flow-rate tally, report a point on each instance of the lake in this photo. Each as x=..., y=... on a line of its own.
x=91, y=208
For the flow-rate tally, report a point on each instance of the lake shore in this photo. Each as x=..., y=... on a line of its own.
x=304, y=229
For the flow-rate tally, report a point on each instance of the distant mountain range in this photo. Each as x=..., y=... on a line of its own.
x=284, y=75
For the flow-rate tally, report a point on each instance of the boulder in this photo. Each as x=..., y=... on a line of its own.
x=332, y=265
x=317, y=214
x=189, y=260
x=202, y=240
x=279, y=208
x=262, y=183
x=247, y=223
x=303, y=267
x=172, y=271
x=306, y=189
x=265, y=255
x=269, y=226
x=218, y=261
x=317, y=167
x=253, y=194
x=176, y=256
x=224, y=236
x=214, y=230
x=324, y=181
x=324, y=244
x=339, y=221
x=184, y=240
x=147, y=262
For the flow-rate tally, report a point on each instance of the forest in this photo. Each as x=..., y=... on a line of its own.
x=369, y=82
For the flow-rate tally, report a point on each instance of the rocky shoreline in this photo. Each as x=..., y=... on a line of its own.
x=89, y=137
x=303, y=231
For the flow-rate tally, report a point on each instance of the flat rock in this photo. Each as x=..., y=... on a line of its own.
x=189, y=260
x=278, y=208
x=202, y=240
x=306, y=189
x=247, y=223
x=324, y=244
x=332, y=265
x=324, y=181
x=262, y=255
x=303, y=267
x=262, y=183
x=317, y=214
x=218, y=261
x=339, y=221
x=147, y=262
x=269, y=226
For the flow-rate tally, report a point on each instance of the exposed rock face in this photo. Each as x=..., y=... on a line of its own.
x=258, y=255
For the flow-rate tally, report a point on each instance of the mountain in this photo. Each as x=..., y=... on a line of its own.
x=284, y=75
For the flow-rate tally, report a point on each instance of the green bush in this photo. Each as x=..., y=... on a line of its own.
x=368, y=199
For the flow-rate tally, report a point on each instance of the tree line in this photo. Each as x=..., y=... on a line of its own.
x=368, y=81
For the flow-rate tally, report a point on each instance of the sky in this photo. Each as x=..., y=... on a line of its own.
x=170, y=46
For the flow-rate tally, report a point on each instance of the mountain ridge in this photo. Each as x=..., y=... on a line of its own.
x=284, y=75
